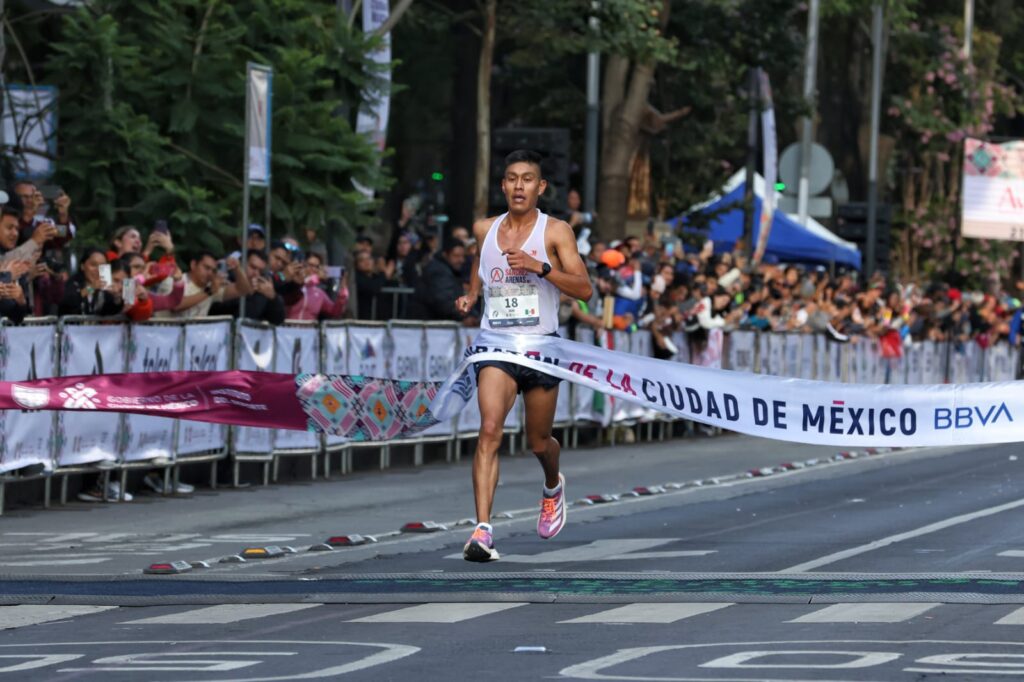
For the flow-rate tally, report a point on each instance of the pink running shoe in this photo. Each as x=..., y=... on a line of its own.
x=480, y=547
x=552, y=512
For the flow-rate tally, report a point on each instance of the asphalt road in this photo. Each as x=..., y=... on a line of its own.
x=887, y=566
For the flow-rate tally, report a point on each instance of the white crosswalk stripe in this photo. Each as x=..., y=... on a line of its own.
x=649, y=613
x=27, y=614
x=438, y=613
x=886, y=612
x=1015, y=617
x=221, y=615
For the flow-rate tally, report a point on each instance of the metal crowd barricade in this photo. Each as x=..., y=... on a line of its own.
x=297, y=351
x=254, y=351
x=438, y=357
x=87, y=442
x=27, y=351
x=367, y=356
x=207, y=345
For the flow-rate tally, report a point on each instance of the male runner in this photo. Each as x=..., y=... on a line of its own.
x=526, y=260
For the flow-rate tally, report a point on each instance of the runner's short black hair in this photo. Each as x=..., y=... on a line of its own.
x=526, y=156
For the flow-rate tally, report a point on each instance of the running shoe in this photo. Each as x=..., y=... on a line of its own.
x=156, y=484
x=480, y=546
x=552, y=512
x=113, y=494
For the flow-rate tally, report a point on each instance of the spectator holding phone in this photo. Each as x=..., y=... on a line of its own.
x=91, y=290
x=263, y=304
x=13, y=271
x=315, y=304
x=205, y=286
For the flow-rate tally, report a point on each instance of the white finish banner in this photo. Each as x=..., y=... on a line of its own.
x=26, y=436
x=207, y=348
x=563, y=408
x=151, y=348
x=589, y=406
x=297, y=350
x=335, y=362
x=794, y=410
x=255, y=351
x=84, y=437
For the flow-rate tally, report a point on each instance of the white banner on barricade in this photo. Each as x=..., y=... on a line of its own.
x=807, y=358
x=442, y=353
x=772, y=354
x=207, y=349
x=563, y=408
x=26, y=436
x=84, y=437
x=589, y=406
x=469, y=418
x=296, y=351
x=367, y=354
x=791, y=350
x=254, y=349
x=821, y=357
x=862, y=371
x=335, y=342
x=406, y=362
x=915, y=362
x=740, y=351
x=151, y=348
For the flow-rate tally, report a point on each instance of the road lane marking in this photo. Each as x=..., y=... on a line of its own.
x=1015, y=617
x=865, y=613
x=438, y=613
x=1015, y=553
x=222, y=615
x=28, y=614
x=899, y=537
x=649, y=613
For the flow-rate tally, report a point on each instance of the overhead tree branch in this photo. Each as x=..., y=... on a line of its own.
x=393, y=17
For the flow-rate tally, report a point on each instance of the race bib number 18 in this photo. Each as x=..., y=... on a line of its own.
x=513, y=305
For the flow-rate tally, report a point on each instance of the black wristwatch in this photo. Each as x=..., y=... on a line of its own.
x=545, y=270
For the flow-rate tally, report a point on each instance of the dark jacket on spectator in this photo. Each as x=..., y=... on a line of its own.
x=100, y=303
x=11, y=309
x=367, y=288
x=257, y=307
x=435, y=298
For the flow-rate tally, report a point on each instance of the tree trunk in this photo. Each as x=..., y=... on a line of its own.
x=621, y=142
x=483, y=111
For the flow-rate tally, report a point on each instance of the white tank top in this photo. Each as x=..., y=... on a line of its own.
x=517, y=301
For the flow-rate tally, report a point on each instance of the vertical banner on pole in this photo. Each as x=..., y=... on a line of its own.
x=26, y=436
x=151, y=348
x=372, y=119
x=84, y=437
x=255, y=353
x=207, y=348
x=296, y=351
x=741, y=347
x=258, y=101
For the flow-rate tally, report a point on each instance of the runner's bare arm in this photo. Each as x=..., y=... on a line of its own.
x=465, y=303
x=571, y=278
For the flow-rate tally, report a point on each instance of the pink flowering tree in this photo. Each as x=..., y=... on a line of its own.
x=942, y=99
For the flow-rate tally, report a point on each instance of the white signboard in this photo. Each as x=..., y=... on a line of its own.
x=297, y=352
x=84, y=437
x=152, y=348
x=207, y=349
x=30, y=125
x=335, y=362
x=255, y=351
x=442, y=353
x=26, y=436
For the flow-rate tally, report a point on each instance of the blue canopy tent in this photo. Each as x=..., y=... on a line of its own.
x=788, y=241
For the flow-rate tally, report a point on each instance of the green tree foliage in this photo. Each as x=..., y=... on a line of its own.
x=152, y=114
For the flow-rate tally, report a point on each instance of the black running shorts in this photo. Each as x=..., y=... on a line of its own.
x=525, y=377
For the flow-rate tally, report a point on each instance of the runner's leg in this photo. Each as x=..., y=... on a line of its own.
x=540, y=415
x=496, y=392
